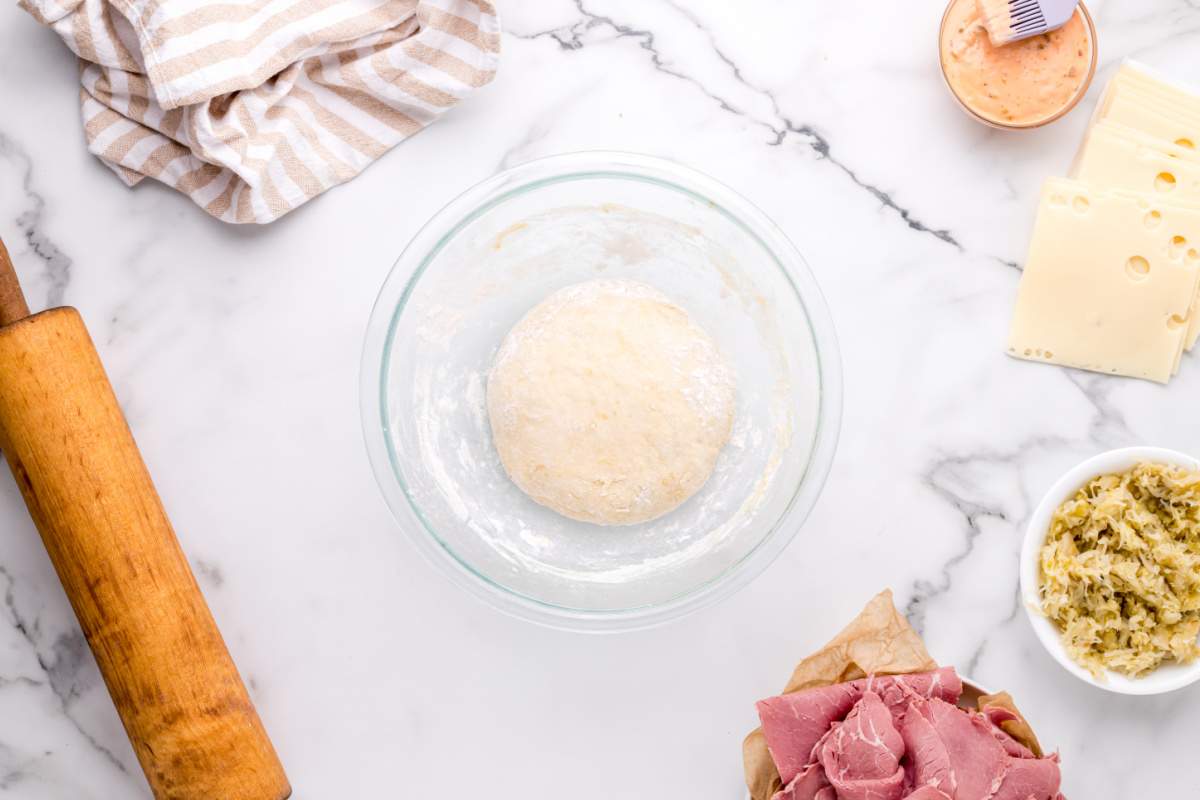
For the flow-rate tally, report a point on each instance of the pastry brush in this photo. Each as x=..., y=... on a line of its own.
x=1010, y=21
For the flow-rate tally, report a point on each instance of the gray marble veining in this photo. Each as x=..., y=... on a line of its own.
x=235, y=353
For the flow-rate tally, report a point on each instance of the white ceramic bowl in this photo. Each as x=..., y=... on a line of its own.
x=1166, y=678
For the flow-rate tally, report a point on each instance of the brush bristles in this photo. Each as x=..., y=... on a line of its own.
x=1009, y=20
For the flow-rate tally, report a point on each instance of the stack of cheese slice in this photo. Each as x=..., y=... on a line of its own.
x=1112, y=281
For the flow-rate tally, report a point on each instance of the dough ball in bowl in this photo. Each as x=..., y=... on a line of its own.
x=608, y=404
x=477, y=455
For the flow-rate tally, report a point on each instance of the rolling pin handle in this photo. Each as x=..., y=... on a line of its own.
x=12, y=301
x=188, y=715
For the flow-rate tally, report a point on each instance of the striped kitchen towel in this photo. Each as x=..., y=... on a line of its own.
x=252, y=107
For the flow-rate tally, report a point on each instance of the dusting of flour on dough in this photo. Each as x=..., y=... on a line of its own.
x=609, y=404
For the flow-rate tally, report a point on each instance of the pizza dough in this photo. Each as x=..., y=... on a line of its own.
x=608, y=404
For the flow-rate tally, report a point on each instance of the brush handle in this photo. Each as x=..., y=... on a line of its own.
x=186, y=711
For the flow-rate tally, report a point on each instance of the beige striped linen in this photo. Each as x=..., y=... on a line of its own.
x=253, y=107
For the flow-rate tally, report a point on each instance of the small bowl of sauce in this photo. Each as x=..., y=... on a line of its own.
x=1021, y=85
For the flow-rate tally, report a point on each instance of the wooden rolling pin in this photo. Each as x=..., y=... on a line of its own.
x=185, y=709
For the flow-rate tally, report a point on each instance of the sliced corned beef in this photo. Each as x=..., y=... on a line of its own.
x=1025, y=778
x=976, y=758
x=998, y=715
x=808, y=785
x=794, y=723
x=862, y=756
x=899, y=738
x=959, y=753
x=928, y=793
x=927, y=759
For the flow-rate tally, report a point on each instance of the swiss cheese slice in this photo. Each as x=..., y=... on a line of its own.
x=1109, y=281
x=1139, y=99
x=1123, y=158
x=1136, y=113
x=1143, y=139
x=1115, y=156
x=1152, y=83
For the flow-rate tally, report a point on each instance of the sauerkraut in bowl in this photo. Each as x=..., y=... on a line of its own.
x=1110, y=570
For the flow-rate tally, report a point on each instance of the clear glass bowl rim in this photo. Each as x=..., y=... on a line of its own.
x=442, y=227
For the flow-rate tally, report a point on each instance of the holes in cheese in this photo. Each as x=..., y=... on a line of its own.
x=1137, y=267
x=1146, y=104
x=1177, y=246
x=1098, y=288
x=1120, y=157
x=1164, y=181
x=1143, y=139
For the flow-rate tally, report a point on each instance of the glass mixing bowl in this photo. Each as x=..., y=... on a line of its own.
x=496, y=251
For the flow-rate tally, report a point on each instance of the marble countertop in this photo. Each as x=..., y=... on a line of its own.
x=235, y=352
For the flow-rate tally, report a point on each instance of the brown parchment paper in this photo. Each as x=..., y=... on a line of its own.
x=879, y=641
x=1016, y=728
